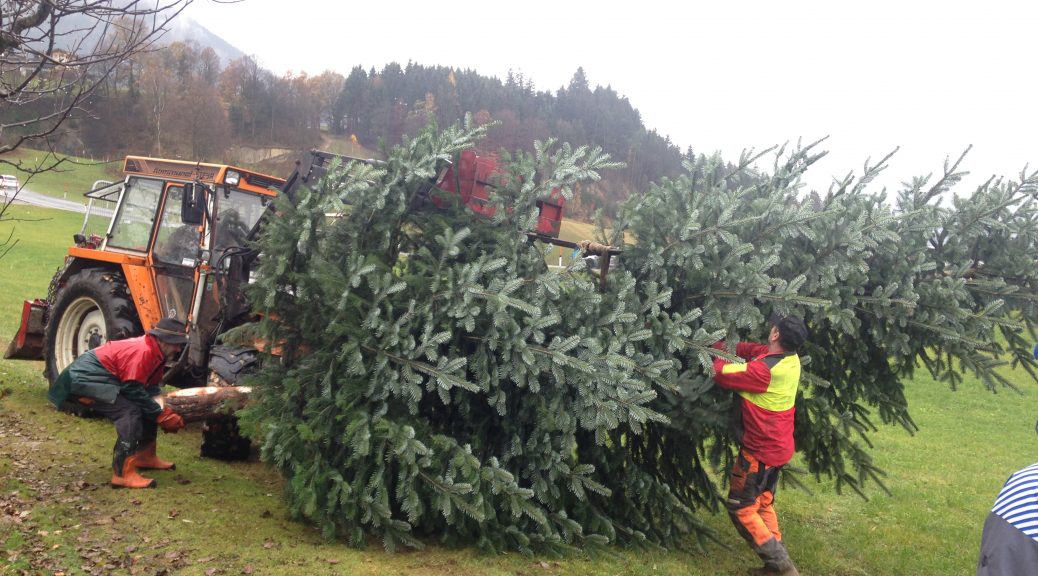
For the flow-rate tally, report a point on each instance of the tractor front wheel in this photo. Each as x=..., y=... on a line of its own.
x=93, y=307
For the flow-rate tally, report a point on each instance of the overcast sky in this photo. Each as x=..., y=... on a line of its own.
x=929, y=77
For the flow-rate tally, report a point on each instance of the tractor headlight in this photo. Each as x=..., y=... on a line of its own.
x=232, y=178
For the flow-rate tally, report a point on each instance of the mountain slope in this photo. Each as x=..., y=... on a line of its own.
x=187, y=29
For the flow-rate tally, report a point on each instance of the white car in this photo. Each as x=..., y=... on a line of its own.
x=8, y=182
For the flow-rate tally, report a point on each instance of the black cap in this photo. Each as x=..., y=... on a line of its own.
x=792, y=331
x=170, y=331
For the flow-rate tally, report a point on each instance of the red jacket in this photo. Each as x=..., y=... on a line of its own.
x=131, y=368
x=138, y=359
x=767, y=387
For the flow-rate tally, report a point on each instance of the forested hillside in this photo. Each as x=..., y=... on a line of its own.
x=181, y=102
x=397, y=100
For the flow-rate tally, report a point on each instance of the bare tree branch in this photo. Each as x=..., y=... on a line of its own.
x=54, y=54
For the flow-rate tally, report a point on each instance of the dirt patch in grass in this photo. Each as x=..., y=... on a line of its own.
x=41, y=487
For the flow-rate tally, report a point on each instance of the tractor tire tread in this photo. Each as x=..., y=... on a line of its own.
x=112, y=294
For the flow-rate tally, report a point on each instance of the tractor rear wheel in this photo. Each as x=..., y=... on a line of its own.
x=93, y=307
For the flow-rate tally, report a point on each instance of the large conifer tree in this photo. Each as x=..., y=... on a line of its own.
x=438, y=379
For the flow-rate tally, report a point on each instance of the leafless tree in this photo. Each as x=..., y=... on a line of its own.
x=53, y=55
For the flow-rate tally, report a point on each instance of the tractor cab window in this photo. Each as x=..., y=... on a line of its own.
x=175, y=254
x=238, y=212
x=131, y=228
x=175, y=241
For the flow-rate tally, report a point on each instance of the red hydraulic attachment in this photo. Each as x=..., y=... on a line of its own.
x=28, y=342
x=470, y=180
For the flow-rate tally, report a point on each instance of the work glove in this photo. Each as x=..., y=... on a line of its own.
x=170, y=421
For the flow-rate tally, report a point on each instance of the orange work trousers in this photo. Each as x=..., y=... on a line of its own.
x=751, y=495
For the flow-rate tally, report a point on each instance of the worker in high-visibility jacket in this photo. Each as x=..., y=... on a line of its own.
x=766, y=385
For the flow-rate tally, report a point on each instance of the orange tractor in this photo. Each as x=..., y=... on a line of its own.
x=171, y=234
x=176, y=242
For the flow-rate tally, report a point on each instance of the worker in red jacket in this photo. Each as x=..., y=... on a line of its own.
x=120, y=380
x=766, y=385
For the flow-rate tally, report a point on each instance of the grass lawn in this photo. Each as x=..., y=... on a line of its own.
x=347, y=147
x=209, y=517
x=69, y=180
x=41, y=238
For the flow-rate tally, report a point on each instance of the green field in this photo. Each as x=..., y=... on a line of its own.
x=69, y=180
x=209, y=517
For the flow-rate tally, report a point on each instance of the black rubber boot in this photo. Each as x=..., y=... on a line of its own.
x=776, y=559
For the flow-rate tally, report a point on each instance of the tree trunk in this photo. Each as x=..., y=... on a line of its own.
x=196, y=404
